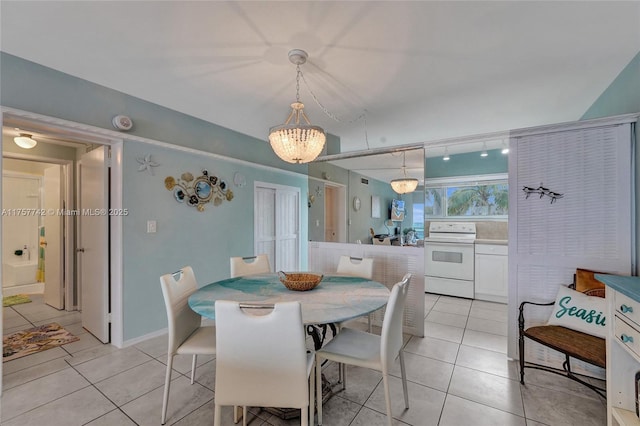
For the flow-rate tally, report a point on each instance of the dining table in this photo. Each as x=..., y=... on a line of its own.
x=336, y=299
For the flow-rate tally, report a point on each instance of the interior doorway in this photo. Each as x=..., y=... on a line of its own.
x=59, y=207
x=37, y=253
x=335, y=213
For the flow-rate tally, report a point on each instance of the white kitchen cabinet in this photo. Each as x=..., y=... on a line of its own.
x=623, y=348
x=491, y=272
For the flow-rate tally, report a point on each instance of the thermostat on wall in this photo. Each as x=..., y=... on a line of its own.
x=122, y=122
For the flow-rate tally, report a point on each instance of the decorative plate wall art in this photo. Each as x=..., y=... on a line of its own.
x=196, y=192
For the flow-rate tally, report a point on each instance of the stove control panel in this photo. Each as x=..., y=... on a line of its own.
x=452, y=227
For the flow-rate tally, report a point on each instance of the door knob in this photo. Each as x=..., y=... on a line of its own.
x=80, y=250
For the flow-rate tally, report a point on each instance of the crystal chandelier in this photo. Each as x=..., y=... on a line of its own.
x=404, y=185
x=297, y=143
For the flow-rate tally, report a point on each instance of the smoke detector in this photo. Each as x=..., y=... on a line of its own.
x=122, y=122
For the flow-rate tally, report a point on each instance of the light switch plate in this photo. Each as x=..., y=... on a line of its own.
x=151, y=226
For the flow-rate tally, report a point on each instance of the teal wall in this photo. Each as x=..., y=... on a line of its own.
x=31, y=87
x=361, y=220
x=466, y=164
x=623, y=97
x=185, y=236
x=205, y=240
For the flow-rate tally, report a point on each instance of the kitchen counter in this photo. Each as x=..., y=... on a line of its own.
x=494, y=242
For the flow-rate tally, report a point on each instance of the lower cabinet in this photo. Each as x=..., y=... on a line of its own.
x=491, y=272
x=623, y=357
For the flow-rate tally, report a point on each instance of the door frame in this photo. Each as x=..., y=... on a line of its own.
x=339, y=209
x=68, y=221
x=91, y=134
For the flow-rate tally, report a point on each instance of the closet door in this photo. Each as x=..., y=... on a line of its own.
x=277, y=225
x=589, y=225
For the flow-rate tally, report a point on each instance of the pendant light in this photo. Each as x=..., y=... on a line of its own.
x=446, y=155
x=25, y=141
x=484, y=152
x=297, y=142
x=505, y=148
x=404, y=185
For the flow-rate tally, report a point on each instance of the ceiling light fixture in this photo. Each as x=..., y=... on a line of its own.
x=484, y=152
x=404, y=185
x=24, y=140
x=297, y=143
x=446, y=155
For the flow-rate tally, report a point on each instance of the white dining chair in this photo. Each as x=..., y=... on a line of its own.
x=262, y=360
x=249, y=265
x=186, y=334
x=368, y=350
x=356, y=266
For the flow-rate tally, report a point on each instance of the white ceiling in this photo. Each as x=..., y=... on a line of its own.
x=422, y=70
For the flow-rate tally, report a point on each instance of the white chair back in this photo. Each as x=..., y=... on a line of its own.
x=358, y=267
x=176, y=289
x=391, y=335
x=261, y=360
x=385, y=241
x=249, y=265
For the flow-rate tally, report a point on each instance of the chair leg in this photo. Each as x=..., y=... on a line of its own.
x=319, y=389
x=387, y=397
x=237, y=414
x=167, y=384
x=217, y=415
x=193, y=367
x=312, y=400
x=403, y=374
x=304, y=416
x=521, y=354
x=244, y=415
x=344, y=376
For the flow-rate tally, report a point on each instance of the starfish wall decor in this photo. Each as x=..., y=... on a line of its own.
x=146, y=164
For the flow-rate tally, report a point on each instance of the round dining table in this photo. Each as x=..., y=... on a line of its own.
x=335, y=299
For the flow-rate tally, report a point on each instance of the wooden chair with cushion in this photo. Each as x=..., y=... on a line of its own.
x=572, y=343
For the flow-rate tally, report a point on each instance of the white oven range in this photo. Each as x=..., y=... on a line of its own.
x=449, y=259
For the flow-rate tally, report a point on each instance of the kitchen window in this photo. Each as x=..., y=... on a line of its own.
x=467, y=196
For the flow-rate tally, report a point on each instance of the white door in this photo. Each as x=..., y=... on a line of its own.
x=287, y=229
x=277, y=225
x=265, y=223
x=93, y=244
x=53, y=238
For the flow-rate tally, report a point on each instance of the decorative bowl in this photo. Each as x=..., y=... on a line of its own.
x=299, y=281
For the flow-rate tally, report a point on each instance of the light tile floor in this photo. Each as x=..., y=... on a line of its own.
x=458, y=375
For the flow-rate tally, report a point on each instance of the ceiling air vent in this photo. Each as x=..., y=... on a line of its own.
x=364, y=181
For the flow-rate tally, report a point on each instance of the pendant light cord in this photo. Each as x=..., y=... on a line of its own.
x=328, y=113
